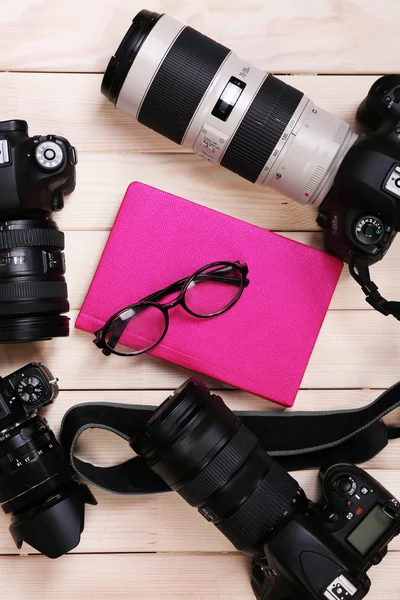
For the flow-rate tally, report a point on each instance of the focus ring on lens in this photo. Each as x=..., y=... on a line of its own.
x=180, y=83
x=268, y=504
x=27, y=290
x=220, y=469
x=24, y=238
x=261, y=128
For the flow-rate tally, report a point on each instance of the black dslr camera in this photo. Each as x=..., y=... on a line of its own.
x=37, y=486
x=301, y=550
x=361, y=214
x=35, y=175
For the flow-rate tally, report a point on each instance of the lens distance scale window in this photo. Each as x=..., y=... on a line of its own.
x=228, y=99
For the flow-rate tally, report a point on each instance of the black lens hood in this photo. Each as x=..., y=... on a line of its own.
x=54, y=528
x=120, y=64
x=33, y=329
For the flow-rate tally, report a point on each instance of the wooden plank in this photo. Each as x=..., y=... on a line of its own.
x=152, y=577
x=347, y=295
x=281, y=37
x=79, y=112
x=355, y=349
x=164, y=522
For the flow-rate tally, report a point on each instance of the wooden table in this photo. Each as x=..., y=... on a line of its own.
x=52, y=54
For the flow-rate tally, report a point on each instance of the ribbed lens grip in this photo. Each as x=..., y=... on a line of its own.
x=220, y=469
x=261, y=128
x=180, y=83
x=7, y=459
x=25, y=238
x=28, y=290
x=267, y=505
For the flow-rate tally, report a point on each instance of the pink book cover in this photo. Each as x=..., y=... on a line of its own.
x=264, y=342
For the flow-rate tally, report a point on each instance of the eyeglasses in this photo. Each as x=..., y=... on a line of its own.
x=210, y=292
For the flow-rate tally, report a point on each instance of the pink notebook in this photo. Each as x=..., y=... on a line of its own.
x=263, y=343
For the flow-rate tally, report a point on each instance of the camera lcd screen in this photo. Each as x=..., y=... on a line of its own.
x=228, y=99
x=370, y=530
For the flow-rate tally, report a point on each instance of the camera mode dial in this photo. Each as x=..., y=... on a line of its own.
x=30, y=390
x=369, y=230
x=346, y=486
x=49, y=155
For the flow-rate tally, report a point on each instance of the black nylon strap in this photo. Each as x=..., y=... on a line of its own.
x=360, y=272
x=297, y=440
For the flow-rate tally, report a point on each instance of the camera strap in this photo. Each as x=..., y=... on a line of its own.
x=297, y=440
x=359, y=270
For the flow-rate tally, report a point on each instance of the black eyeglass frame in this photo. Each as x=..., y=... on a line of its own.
x=151, y=301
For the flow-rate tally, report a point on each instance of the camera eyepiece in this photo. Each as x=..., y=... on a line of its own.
x=200, y=448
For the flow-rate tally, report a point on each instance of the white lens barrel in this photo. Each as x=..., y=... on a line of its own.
x=207, y=135
x=175, y=80
x=305, y=163
x=147, y=63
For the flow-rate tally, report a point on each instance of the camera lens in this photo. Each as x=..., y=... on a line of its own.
x=38, y=489
x=33, y=291
x=201, y=449
x=199, y=94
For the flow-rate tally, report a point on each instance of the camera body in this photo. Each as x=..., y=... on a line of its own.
x=326, y=552
x=23, y=392
x=301, y=550
x=35, y=172
x=362, y=210
x=35, y=175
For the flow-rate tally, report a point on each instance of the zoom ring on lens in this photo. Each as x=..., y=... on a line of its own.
x=28, y=290
x=219, y=470
x=272, y=500
x=25, y=238
x=261, y=128
x=180, y=83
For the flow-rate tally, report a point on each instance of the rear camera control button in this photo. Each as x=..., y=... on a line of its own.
x=349, y=516
x=364, y=490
